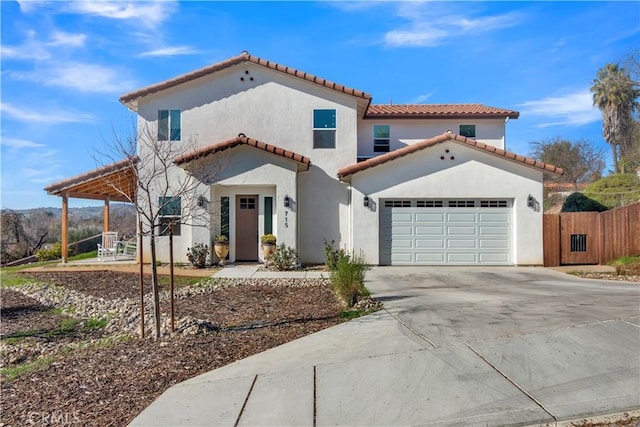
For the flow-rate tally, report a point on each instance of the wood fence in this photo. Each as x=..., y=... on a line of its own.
x=591, y=237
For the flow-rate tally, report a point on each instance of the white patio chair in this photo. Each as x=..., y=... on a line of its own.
x=109, y=246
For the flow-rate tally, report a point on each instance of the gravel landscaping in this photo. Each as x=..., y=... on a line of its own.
x=71, y=355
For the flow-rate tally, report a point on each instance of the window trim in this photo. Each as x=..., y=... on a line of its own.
x=165, y=202
x=167, y=131
x=382, y=145
x=333, y=130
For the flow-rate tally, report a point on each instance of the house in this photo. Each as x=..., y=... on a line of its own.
x=310, y=160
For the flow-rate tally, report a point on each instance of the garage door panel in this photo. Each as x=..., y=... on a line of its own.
x=461, y=217
x=494, y=244
x=462, y=244
x=497, y=258
x=429, y=231
x=430, y=258
x=494, y=217
x=438, y=234
x=494, y=231
x=461, y=231
x=432, y=244
x=430, y=217
x=462, y=258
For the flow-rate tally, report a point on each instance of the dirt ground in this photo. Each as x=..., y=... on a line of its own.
x=107, y=381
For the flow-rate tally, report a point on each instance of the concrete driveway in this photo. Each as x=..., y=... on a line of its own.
x=454, y=346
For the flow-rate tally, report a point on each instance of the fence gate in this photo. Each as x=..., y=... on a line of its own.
x=579, y=238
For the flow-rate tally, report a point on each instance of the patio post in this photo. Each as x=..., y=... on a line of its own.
x=65, y=226
x=105, y=226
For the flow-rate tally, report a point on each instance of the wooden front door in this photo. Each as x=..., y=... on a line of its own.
x=246, y=228
x=579, y=238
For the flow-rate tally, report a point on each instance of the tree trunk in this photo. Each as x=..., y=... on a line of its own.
x=155, y=284
x=614, y=150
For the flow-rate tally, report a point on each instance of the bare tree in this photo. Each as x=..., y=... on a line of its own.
x=580, y=160
x=23, y=235
x=166, y=196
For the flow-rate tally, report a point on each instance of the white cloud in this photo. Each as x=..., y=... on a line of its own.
x=432, y=24
x=48, y=116
x=82, y=77
x=421, y=98
x=19, y=143
x=170, y=51
x=34, y=49
x=574, y=109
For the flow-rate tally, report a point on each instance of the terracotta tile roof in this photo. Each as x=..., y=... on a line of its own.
x=115, y=182
x=130, y=99
x=375, y=161
x=457, y=111
x=242, y=140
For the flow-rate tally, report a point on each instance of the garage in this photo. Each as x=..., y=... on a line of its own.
x=446, y=232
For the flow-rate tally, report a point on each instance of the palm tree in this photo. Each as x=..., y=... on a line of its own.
x=616, y=95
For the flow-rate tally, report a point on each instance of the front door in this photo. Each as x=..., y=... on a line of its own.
x=246, y=228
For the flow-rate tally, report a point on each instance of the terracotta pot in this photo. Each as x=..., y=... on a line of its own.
x=221, y=250
x=267, y=251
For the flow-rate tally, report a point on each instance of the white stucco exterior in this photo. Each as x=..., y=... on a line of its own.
x=276, y=108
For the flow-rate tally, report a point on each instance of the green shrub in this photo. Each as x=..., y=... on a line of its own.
x=578, y=202
x=198, y=255
x=49, y=254
x=284, y=258
x=348, y=278
x=615, y=191
x=333, y=255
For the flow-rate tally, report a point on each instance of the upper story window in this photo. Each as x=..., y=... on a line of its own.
x=381, y=135
x=169, y=125
x=170, y=215
x=324, y=128
x=468, y=130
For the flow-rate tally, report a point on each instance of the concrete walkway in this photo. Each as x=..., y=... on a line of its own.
x=454, y=346
x=254, y=271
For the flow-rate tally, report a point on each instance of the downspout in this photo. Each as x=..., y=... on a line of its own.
x=298, y=216
x=504, y=134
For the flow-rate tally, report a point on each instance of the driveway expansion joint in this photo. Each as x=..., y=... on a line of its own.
x=513, y=382
x=246, y=399
x=416, y=333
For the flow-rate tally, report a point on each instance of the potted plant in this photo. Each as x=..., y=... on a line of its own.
x=268, y=246
x=221, y=247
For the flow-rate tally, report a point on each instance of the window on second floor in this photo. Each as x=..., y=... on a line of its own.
x=324, y=128
x=169, y=125
x=170, y=215
x=468, y=130
x=381, y=135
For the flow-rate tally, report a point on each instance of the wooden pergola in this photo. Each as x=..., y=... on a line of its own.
x=114, y=182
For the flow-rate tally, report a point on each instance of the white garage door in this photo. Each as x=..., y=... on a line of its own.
x=445, y=232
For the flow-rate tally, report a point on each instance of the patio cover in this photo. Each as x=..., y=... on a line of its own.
x=116, y=182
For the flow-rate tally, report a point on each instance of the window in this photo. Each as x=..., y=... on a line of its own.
x=462, y=203
x=324, y=128
x=268, y=215
x=381, y=138
x=168, y=125
x=493, y=203
x=578, y=243
x=170, y=215
x=397, y=204
x=224, y=216
x=429, y=203
x=468, y=130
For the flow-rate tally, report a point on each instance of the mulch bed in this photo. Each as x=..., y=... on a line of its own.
x=109, y=385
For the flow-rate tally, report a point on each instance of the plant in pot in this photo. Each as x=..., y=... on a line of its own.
x=268, y=247
x=221, y=247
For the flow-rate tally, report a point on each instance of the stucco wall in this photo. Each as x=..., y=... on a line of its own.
x=472, y=174
x=278, y=110
x=405, y=132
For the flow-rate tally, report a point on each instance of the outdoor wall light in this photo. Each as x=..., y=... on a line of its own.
x=287, y=201
x=201, y=201
x=366, y=201
x=530, y=201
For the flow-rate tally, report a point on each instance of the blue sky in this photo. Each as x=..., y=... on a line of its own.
x=65, y=64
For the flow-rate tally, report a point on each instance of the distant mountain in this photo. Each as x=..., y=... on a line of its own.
x=87, y=212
